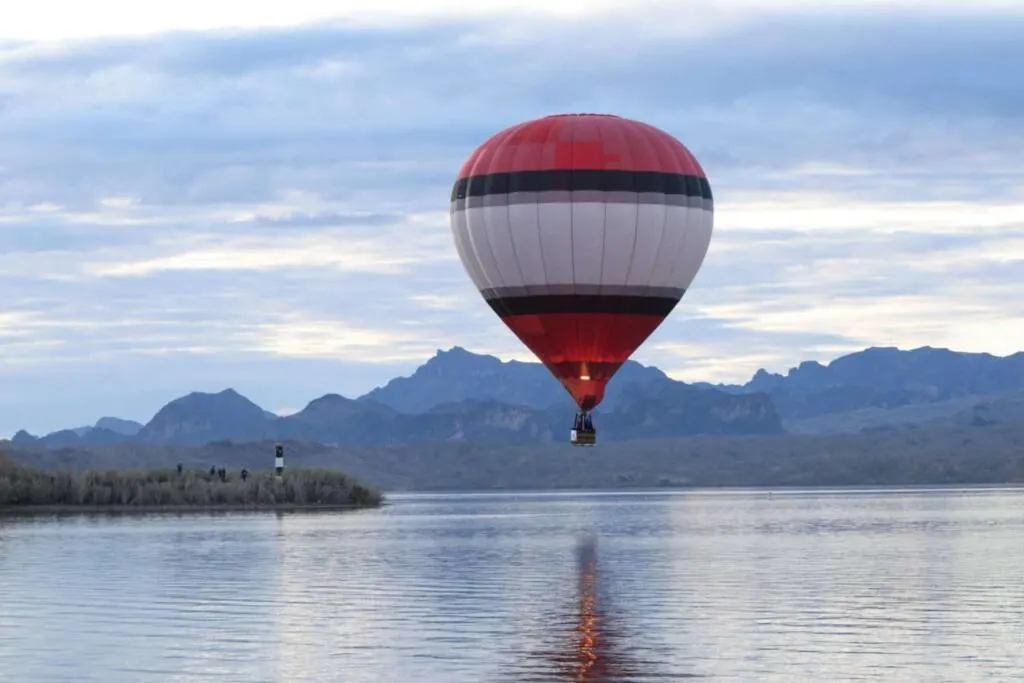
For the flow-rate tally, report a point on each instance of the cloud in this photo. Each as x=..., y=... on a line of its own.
x=775, y=297
x=297, y=336
x=266, y=208
x=878, y=91
x=119, y=18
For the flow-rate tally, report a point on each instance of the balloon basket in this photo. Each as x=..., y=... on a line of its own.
x=583, y=438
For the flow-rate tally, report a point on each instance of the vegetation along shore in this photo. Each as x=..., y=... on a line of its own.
x=24, y=488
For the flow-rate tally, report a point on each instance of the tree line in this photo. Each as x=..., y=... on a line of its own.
x=21, y=485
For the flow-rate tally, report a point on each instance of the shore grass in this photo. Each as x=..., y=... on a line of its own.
x=26, y=488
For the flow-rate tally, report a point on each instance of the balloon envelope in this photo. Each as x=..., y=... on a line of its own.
x=582, y=232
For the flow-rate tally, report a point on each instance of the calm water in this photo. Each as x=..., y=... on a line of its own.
x=725, y=586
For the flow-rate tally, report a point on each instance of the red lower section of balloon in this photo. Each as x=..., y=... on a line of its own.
x=583, y=350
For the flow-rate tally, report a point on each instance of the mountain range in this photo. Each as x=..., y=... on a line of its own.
x=459, y=396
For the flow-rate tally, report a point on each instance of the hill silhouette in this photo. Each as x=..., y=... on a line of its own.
x=462, y=397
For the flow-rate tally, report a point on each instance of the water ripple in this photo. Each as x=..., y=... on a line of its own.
x=730, y=586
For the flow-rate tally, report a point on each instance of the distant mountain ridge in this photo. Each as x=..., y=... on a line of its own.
x=457, y=375
x=886, y=378
x=459, y=396
x=456, y=396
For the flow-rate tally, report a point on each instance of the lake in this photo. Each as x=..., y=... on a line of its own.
x=908, y=585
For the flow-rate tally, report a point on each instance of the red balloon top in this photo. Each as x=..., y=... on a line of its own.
x=581, y=141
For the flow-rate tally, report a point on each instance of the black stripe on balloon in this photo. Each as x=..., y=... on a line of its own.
x=574, y=180
x=577, y=303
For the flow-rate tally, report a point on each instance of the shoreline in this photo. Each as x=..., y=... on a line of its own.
x=63, y=509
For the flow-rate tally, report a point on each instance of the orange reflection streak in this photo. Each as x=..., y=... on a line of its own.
x=587, y=652
x=593, y=653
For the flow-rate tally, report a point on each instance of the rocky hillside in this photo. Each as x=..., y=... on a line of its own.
x=456, y=396
x=459, y=396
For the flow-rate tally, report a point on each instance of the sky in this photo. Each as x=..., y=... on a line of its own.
x=197, y=196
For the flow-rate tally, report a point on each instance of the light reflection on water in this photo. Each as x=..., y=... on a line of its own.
x=523, y=588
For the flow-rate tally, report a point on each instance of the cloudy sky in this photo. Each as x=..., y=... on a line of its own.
x=201, y=195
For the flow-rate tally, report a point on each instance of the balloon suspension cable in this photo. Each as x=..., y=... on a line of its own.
x=585, y=421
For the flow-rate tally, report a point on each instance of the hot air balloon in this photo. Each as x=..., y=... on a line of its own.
x=582, y=232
